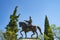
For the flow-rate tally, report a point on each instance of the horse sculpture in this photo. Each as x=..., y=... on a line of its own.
x=26, y=29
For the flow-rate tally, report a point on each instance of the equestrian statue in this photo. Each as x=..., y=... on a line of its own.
x=26, y=27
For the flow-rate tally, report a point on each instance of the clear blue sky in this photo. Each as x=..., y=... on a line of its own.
x=35, y=8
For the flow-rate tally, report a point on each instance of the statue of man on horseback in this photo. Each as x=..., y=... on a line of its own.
x=29, y=27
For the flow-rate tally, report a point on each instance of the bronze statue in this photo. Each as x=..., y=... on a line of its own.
x=29, y=27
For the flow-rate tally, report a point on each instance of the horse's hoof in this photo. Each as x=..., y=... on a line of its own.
x=37, y=37
x=20, y=37
x=25, y=37
x=31, y=37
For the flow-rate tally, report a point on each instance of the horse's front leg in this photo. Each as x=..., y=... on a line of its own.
x=25, y=35
x=21, y=34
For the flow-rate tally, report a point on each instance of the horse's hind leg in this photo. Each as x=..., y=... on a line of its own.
x=32, y=34
x=21, y=34
x=37, y=34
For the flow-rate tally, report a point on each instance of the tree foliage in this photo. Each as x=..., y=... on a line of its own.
x=11, y=28
x=56, y=31
x=48, y=35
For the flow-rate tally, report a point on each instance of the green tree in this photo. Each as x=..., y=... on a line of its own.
x=11, y=28
x=56, y=31
x=48, y=35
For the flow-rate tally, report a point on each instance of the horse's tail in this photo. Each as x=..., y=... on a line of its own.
x=39, y=29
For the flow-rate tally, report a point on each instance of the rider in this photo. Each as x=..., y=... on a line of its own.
x=29, y=22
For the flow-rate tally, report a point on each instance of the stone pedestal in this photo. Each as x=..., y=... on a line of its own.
x=29, y=39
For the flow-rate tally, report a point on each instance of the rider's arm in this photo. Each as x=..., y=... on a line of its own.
x=25, y=20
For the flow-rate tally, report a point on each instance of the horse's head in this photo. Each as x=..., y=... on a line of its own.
x=22, y=24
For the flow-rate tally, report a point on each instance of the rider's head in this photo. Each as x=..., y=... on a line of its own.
x=30, y=17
